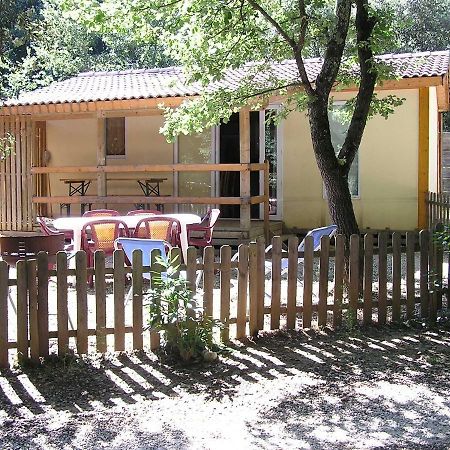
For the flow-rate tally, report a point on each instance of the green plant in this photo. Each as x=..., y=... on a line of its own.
x=188, y=333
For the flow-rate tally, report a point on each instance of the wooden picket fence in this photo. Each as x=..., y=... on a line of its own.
x=438, y=208
x=389, y=279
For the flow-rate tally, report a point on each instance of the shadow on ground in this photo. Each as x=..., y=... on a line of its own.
x=372, y=388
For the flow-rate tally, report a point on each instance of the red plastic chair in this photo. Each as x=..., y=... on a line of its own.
x=140, y=212
x=101, y=213
x=200, y=234
x=162, y=228
x=100, y=235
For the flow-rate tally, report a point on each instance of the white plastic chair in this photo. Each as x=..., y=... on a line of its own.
x=316, y=233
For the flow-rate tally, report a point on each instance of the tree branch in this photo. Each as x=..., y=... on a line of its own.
x=368, y=73
x=255, y=5
x=335, y=49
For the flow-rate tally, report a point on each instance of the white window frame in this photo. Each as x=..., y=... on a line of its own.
x=262, y=156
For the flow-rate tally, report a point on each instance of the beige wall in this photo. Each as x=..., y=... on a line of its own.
x=74, y=142
x=387, y=171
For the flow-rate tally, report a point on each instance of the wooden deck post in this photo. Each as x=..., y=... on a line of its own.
x=101, y=157
x=244, y=151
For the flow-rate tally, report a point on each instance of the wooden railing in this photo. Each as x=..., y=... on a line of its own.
x=103, y=198
x=383, y=286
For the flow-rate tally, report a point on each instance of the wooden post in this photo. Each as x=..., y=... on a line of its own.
x=225, y=275
x=266, y=201
x=22, y=310
x=424, y=142
x=61, y=303
x=101, y=157
x=291, y=314
x=4, y=289
x=275, y=304
x=339, y=266
x=119, y=296
x=82, y=305
x=42, y=303
x=241, y=320
x=137, y=299
x=244, y=150
x=100, y=301
x=253, y=289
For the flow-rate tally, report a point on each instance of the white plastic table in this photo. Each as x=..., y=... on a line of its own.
x=76, y=224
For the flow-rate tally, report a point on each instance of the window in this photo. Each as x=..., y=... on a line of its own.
x=115, y=137
x=338, y=128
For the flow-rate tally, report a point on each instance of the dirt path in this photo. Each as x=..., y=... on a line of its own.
x=372, y=389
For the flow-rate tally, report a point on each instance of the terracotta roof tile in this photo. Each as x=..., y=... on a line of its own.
x=170, y=81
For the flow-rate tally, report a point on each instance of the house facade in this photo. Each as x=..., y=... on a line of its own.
x=105, y=128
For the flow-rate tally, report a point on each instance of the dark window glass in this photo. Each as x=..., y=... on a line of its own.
x=115, y=136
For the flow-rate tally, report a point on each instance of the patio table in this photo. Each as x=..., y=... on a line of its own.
x=77, y=223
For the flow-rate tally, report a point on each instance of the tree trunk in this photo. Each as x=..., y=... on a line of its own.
x=333, y=175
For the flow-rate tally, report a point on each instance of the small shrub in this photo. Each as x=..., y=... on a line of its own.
x=187, y=332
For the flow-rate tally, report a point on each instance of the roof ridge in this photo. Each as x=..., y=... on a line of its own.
x=92, y=73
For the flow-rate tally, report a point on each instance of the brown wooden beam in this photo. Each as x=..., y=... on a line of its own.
x=244, y=152
x=423, y=160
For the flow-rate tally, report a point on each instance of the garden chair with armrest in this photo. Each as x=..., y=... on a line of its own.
x=162, y=228
x=200, y=235
x=101, y=212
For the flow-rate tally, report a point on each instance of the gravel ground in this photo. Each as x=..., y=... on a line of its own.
x=370, y=389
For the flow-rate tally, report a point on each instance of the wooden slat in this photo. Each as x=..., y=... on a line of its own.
x=208, y=281
x=382, y=277
x=368, y=278
x=439, y=267
x=324, y=262
x=4, y=362
x=156, y=270
x=354, y=278
x=424, y=240
x=241, y=320
x=42, y=294
x=3, y=191
x=9, y=196
x=100, y=300
x=307, y=281
x=136, y=264
x=253, y=288
x=275, y=307
x=292, y=283
x=225, y=298
x=22, y=310
x=119, y=300
x=191, y=268
x=339, y=266
x=410, y=270
x=396, y=276
x=61, y=303
x=260, y=255
x=81, y=288
x=33, y=305
x=423, y=157
x=12, y=177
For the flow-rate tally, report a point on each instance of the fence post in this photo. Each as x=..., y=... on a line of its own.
x=225, y=275
x=439, y=266
x=410, y=281
x=292, y=283
x=382, y=277
x=253, y=288
x=4, y=292
x=119, y=300
x=191, y=268
x=275, y=303
x=339, y=269
x=308, y=263
x=100, y=301
x=324, y=262
x=424, y=269
x=368, y=278
x=81, y=287
x=22, y=310
x=261, y=254
x=208, y=280
x=354, y=278
x=42, y=296
x=33, y=312
x=396, y=277
x=156, y=270
x=137, y=299
x=241, y=320
x=61, y=303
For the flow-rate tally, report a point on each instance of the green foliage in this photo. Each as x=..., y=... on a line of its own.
x=6, y=145
x=188, y=332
